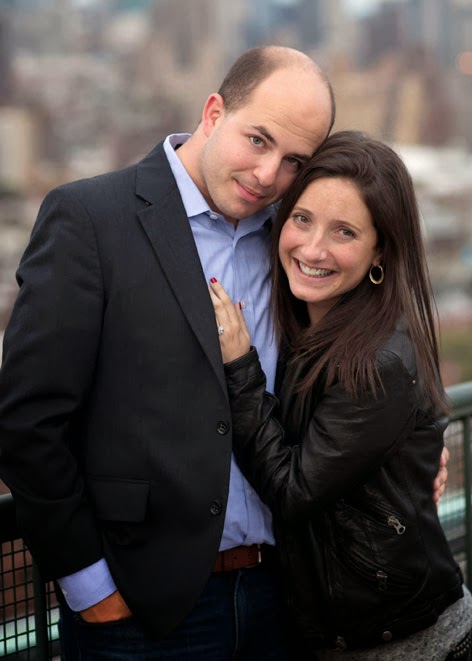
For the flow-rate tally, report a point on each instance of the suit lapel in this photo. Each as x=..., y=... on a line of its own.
x=166, y=224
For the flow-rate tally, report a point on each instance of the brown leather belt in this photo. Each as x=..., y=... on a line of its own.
x=240, y=557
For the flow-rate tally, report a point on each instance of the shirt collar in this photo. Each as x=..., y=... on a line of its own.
x=192, y=199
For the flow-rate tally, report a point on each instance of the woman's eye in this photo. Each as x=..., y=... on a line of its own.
x=346, y=232
x=300, y=218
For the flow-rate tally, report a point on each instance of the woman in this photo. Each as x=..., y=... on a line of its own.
x=346, y=462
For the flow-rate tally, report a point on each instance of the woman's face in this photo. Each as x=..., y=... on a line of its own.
x=328, y=244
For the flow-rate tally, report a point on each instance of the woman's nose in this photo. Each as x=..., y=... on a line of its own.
x=315, y=247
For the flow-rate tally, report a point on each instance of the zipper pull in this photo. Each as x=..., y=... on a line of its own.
x=381, y=577
x=395, y=523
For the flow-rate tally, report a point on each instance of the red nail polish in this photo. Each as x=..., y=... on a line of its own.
x=240, y=306
x=213, y=280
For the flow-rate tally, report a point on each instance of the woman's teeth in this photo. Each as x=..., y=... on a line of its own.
x=313, y=272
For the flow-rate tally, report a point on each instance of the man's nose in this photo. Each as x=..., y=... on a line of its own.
x=267, y=170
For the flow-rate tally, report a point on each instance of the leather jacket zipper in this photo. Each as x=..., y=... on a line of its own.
x=375, y=574
x=395, y=523
x=385, y=517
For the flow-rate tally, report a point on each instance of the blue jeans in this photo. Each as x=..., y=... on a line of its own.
x=239, y=616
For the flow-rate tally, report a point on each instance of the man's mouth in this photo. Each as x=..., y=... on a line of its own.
x=250, y=194
x=314, y=272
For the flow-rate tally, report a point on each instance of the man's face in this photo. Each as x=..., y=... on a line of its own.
x=251, y=155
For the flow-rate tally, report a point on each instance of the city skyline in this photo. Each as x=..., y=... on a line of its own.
x=94, y=90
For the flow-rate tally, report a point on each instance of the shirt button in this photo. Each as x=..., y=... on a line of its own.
x=243, y=305
x=215, y=508
x=222, y=427
x=213, y=216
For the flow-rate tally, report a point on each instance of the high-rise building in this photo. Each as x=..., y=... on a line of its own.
x=6, y=80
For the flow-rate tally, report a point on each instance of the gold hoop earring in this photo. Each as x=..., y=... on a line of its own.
x=380, y=278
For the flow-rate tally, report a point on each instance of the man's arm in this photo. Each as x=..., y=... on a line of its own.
x=440, y=482
x=92, y=592
x=87, y=587
x=49, y=359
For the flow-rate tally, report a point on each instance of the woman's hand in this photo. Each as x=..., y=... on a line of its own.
x=234, y=336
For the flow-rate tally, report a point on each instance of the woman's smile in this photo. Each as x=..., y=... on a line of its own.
x=313, y=272
x=328, y=243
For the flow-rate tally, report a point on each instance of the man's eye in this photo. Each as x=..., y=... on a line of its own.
x=294, y=162
x=256, y=140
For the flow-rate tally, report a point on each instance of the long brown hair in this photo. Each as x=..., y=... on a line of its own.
x=343, y=344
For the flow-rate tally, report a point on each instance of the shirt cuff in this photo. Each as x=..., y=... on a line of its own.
x=88, y=586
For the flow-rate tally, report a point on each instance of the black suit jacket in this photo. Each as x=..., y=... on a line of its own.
x=115, y=434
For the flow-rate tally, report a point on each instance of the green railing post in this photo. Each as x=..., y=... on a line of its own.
x=460, y=397
x=40, y=616
x=468, y=503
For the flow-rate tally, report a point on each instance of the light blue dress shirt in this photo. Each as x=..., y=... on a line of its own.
x=239, y=259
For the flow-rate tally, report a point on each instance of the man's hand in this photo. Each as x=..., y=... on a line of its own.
x=108, y=610
x=439, y=485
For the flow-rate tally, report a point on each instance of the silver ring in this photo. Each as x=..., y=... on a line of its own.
x=221, y=330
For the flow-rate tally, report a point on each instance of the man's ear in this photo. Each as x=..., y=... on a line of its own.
x=213, y=110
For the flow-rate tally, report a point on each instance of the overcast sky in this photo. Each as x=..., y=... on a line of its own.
x=363, y=6
x=357, y=6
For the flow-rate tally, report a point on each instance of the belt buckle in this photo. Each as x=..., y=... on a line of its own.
x=239, y=558
x=259, y=554
x=259, y=558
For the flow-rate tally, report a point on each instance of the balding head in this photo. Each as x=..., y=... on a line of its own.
x=257, y=64
x=272, y=112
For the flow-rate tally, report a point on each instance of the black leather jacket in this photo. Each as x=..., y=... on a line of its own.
x=358, y=533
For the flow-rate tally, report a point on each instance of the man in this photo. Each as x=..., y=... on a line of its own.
x=115, y=430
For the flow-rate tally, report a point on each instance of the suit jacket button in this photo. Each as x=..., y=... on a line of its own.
x=215, y=508
x=222, y=427
x=387, y=635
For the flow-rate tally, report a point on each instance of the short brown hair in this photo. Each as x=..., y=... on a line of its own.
x=257, y=64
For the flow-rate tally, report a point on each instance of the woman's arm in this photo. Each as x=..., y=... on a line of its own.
x=344, y=443
x=346, y=440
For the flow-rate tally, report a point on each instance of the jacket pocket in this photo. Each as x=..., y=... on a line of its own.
x=365, y=594
x=357, y=570
x=117, y=499
x=367, y=599
x=376, y=532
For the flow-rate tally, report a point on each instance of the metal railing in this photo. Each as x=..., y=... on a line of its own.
x=28, y=608
x=29, y=612
x=455, y=508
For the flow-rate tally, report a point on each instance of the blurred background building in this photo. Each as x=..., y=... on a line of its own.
x=91, y=85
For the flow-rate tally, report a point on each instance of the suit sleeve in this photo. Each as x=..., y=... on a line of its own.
x=49, y=355
x=344, y=443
